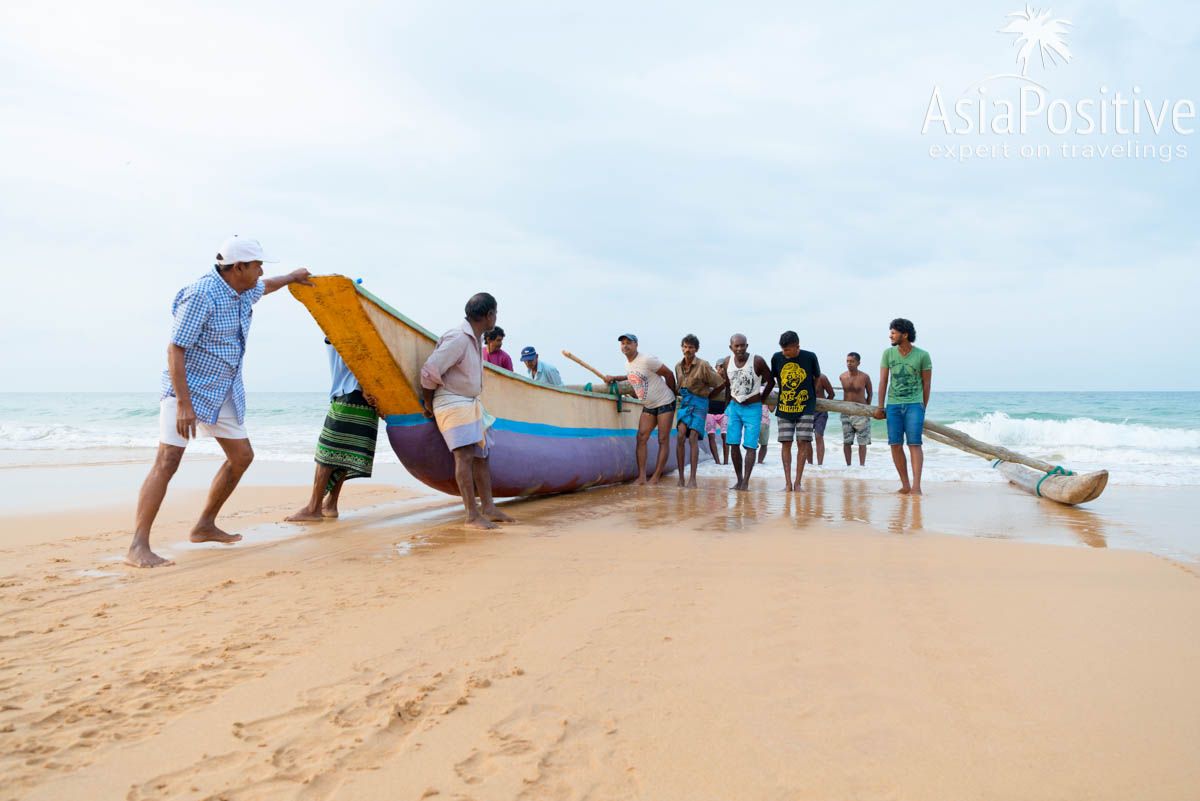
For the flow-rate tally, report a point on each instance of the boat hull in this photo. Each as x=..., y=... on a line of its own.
x=525, y=459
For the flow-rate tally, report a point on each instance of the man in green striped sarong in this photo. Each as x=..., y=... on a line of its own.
x=346, y=447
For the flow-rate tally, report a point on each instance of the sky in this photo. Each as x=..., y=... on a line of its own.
x=663, y=169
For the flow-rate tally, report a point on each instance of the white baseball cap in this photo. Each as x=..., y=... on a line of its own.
x=238, y=249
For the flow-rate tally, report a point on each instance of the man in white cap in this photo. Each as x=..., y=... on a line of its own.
x=202, y=391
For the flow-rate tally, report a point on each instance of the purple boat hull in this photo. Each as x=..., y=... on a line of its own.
x=527, y=459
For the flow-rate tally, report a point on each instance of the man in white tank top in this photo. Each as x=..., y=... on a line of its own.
x=750, y=381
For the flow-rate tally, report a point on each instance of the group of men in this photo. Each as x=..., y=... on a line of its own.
x=734, y=400
x=202, y=392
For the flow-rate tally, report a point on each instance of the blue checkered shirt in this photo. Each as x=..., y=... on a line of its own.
x=212, y=322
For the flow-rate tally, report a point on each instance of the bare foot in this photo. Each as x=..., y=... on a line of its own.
x=481, y=523
x=303, y=516
x=903, y=491
x=691, y=483
x=681, y=484
x=640, y=480
x=736, y=486
x=213, y=534
x=142, y=556
x=787, y=488
x=916, y=490
x=496, y=516
x=329, y=512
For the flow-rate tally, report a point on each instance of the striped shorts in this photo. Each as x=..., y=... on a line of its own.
x=801, y=429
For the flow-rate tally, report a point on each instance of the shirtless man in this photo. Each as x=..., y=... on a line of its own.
x=856, y=388
x=750, y=381
x=821, y=419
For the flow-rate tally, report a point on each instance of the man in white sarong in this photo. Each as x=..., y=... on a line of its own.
x=451, y=382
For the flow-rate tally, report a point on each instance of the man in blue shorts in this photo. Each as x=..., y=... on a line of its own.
x=910, y=373
x=695, y=380
x=749, y=381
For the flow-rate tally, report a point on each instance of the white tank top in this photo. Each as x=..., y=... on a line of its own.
x=743, y=381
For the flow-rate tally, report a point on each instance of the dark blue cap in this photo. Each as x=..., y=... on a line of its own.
x=631, y=337
x=528, y=353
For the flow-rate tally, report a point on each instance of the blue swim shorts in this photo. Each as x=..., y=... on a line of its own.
x=744, y=420
x=904, y=422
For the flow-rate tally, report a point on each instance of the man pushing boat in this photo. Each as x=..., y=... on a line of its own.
x=654, y=385
x=696, y=380
x=451, y=382
x=202, y=390
x=346, y=446
x=750, y=381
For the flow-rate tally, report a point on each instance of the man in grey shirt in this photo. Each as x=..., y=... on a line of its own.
x=451, y=382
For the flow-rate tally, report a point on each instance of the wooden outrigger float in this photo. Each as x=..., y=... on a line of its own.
x=548, y=439
x=1032, y=475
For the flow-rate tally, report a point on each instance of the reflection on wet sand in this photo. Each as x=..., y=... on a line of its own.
x=810, y=502
x=906, y=515
x=1087, y=526
x=993, y=511
x=855, y=504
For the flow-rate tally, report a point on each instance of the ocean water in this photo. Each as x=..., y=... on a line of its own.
x=1142, y=438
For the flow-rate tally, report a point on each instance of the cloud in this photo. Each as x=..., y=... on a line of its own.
x=667, y=169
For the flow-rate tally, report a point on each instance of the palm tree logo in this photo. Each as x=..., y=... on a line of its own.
x=1037, y=31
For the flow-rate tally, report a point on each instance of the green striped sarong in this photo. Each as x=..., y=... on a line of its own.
x=347, y=441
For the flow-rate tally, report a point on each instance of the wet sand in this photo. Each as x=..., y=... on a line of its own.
x=620, y=643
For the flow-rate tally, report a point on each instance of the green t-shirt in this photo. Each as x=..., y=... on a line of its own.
x=904, y=374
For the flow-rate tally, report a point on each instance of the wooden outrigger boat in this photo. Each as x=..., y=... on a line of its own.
x=1032, y=475
x=557, y=439
x=547, y=439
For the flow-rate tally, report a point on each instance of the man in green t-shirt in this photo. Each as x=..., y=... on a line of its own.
x=909, y=371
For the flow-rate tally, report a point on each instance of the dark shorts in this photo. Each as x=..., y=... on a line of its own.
x=666, y=408
x=820, y=420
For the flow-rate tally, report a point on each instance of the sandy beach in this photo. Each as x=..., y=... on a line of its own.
x=619, y=643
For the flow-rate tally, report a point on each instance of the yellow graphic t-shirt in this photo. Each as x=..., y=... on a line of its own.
x=796, y=378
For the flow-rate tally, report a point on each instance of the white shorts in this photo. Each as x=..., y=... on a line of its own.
x=226, y=427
